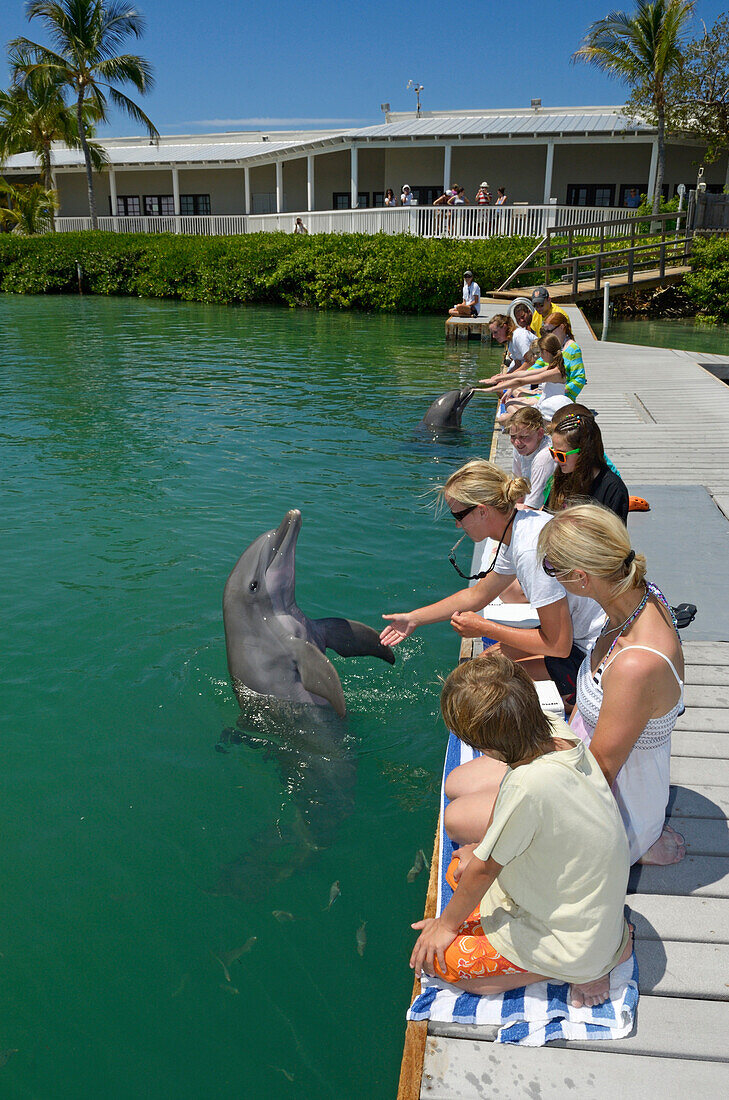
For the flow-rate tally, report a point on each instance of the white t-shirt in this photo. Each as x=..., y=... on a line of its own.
x=537, y=468
x=520, y=559
x=406, y=198
x=521, y=340
x=556, y=907
x=471, y=292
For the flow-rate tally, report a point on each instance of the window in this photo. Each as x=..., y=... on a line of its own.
x=341, y=200
x=194, y=204
x=363, y=199
x=157, y=205
x=378, y=198
x=590, y=194
x=426, y=195
x=127, y=205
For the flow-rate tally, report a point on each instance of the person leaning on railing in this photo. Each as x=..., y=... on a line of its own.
x=566, y=366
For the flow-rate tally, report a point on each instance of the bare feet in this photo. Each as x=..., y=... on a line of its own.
x=669, y=848
x=589, y=994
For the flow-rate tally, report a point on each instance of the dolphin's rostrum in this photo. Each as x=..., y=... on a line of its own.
x=273, y=648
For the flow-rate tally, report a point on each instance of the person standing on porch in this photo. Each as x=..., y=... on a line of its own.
x=501, y=192
x=483, y=195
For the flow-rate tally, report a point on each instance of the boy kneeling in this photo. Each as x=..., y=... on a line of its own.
x=542, y=895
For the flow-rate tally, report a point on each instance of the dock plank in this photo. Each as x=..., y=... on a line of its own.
x=665, y=916
x=461, y=1068
x=695, y=875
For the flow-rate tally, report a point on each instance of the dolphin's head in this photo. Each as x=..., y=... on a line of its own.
x=446, y=412
x=265, y=573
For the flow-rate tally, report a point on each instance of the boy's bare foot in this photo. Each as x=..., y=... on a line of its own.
x=589, y=994
x=669, y=848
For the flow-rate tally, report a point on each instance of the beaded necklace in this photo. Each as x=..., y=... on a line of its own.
x=650, y=590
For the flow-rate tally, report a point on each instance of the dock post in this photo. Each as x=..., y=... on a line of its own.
x=605, y=311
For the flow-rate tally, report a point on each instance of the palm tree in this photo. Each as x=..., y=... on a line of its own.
x=29, y=207
x=85, y=35
x=644, y=49
x=34, y=114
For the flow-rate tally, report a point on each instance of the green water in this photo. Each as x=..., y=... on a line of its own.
x=685, y=335
x=144, y=446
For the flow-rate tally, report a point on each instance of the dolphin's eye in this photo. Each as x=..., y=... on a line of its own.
x=253, y=586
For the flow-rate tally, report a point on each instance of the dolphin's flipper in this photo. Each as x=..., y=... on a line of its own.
x=349, y=638
x=317, y=673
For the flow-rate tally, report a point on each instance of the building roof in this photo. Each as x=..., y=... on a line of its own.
x=607, y=120
x=256, y=148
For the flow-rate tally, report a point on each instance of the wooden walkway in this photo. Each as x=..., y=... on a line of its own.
x=665, y=420
x=619, y=284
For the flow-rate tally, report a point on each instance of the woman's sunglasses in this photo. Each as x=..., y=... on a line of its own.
x=553, y=571
x=561, y=456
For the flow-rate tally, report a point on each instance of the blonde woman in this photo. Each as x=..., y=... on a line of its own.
x=482, y=499
x=541, y=877
x=630, y=687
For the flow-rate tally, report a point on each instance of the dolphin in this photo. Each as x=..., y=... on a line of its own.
x=273, y=648
x=446, y=412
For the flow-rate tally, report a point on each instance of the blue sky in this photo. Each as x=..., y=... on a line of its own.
x=225, y=65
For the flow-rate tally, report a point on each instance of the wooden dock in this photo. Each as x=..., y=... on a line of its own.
x=665, y=423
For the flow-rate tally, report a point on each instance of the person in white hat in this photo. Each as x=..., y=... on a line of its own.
x=407, y=196
x=483, y=195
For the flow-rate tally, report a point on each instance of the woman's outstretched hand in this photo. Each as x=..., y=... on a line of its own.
x=401, y=626
x=431, y=944
x=468, y=624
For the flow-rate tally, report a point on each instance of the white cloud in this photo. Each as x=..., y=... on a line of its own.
x=271, y=122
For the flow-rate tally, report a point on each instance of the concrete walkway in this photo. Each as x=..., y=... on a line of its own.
x=665, y=423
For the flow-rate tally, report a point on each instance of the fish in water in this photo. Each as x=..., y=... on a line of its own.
x=417, y=866
x=282, y=916
x=334, y=893
x=287, y=1075
x=361, y=938
x=447, y=411
x=273, y=647
x=233, y=956
x=426, y=861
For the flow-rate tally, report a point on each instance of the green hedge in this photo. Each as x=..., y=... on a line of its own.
x=708, y=284
x=353, y=271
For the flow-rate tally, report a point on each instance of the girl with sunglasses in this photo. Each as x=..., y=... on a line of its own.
x=482, y=500
x=630, y=687
x=582, y=470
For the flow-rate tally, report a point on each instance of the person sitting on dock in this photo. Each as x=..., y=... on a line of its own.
x=543, y=306
x=470, y=305
x=560, y=371
x=531, y=456
x=482, y=499
x=539, y=887
x=582, y=469
x=630, y=687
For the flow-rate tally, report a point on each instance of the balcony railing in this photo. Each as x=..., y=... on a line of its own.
x=464, y=222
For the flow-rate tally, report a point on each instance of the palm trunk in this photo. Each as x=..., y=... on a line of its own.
x=48, y=178
x=661, y=165
x=87, y=159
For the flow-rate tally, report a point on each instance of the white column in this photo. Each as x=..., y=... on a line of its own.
x=548, y=172
x=447, y=149
x=176, y=190
x=279, y=187
x=112, y=192
x=652, y=171
x=247, y=189
x=310, y=182
x=354, y=182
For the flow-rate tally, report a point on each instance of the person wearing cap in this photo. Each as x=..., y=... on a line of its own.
x=471, y=298
x=543, y=306
x=407, y=197
x=483, y=195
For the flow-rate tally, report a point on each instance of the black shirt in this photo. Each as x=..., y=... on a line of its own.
x=609, y=489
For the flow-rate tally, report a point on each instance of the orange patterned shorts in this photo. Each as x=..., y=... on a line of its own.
x=471, y=955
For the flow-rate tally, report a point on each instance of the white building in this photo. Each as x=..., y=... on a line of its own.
x=576, y=156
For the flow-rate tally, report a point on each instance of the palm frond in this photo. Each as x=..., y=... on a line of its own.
x=133, y=110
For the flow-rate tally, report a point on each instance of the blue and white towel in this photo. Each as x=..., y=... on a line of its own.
x=532, y=1015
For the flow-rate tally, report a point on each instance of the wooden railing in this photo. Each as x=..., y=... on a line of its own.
x=464, y=222
x=652, y=242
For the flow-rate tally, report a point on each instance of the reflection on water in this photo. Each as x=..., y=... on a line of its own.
x=668, y=333
x=144, y=443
